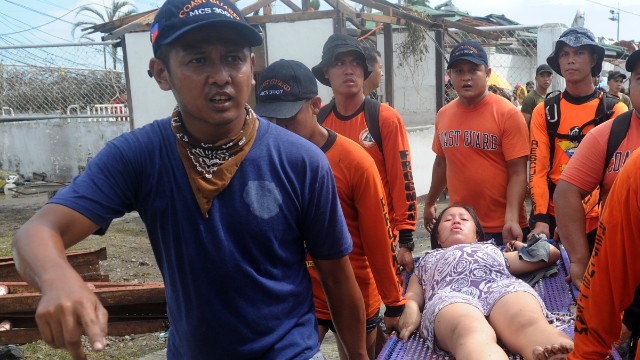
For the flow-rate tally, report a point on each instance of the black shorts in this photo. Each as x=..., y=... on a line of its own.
x=370, y=325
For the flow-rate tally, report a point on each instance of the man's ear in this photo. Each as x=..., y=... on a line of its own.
x=315, y=104
x=253, y=67
x=160, y=73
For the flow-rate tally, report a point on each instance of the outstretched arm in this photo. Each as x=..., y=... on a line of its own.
x=67, y=307
x=345, y=303
x=571, y=223
x=410, y=319
x=519, y=266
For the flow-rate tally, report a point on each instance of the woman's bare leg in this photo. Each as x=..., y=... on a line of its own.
x=463, y=330
x=520, y=324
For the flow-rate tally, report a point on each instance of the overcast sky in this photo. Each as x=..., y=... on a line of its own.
x=50, y=21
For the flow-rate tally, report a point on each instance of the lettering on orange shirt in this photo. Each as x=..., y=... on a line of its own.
x=618, y=161
x=410, y=190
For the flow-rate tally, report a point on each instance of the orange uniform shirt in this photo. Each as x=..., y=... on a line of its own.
x=362, y=199
x=394, y=166
x=542, y=168
x=586, y=165
x=614, y=270
x=477, y=142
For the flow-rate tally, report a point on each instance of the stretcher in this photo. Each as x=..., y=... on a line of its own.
x=558, y=296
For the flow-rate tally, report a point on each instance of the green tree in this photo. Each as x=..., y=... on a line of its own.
x=118, y=9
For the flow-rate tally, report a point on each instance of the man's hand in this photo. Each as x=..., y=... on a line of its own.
x=541, y=228
x=429, y=215
x=67, y=311
x=511, y=231
x=405, y=259
x=392, y=323
x=576, y=273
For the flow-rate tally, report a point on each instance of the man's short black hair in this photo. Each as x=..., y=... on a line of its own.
x=529, y=83
x=371, y=54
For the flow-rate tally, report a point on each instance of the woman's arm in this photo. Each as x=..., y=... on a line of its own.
x=519, y=266
x=410, y=319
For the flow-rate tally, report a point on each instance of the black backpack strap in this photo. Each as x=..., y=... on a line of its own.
x=325, y=111
x=552, y=114
x=372, y=118
x=605, y=111
x=619, y=129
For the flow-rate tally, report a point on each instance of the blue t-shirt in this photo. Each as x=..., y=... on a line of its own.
x=236, y=281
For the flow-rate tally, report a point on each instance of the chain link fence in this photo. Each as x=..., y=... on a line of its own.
x=79, y=80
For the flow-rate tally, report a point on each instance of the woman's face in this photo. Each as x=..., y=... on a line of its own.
x=456, y=227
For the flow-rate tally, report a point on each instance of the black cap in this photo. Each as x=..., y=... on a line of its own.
x=543, y=69
x=632, y=61
x=283, y=88
x=468, y=50
x=576, y=37
x=614, y=74
x=337, y=44
x=176, y=17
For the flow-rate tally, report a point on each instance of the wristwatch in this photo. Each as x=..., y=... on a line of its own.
x=407, y=245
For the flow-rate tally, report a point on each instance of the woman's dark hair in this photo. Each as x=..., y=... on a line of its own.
x=474, y=217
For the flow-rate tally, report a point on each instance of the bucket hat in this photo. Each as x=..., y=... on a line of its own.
x=575, y=37
x=338, y=44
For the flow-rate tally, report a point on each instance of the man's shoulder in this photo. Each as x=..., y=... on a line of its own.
x=352, y=152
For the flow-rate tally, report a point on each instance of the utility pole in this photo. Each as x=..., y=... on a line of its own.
x=615, y=16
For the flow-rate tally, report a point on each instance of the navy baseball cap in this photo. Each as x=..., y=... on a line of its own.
x=632, y=61
x=283, y=88
x=576, y=37
x=338, y=44
x=176, y=17
x=468, y=50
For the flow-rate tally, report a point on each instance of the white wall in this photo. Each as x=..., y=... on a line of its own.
x=148, y=102
x=304, y=41
x=413, y=85
x=422, y=157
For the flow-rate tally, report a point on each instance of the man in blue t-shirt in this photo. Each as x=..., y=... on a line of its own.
x=231, y=203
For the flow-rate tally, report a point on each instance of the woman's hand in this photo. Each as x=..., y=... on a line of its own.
x=410, y=320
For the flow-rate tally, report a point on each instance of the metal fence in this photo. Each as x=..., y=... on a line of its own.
x=512, y=58
x=78, y=80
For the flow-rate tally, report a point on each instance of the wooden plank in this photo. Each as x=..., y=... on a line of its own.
x=255, y=7
x=347, y=10
x=123, y=295
x=469, y=29
x=292, y=5
x=384, y=19
x=388, y=63
x=100, y=254
x=22, y=287
x=28, y=335
x=275, y=18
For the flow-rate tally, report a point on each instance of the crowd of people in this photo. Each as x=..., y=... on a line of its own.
x=273, y=226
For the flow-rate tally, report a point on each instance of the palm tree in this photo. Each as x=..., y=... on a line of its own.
x=106, y=13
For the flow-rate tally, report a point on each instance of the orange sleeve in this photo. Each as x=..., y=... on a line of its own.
x=539, y=165
x=376, y=235
x=397, y=158
x=614, y=271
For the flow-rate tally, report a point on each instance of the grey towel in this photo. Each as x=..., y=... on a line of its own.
x=538, y=251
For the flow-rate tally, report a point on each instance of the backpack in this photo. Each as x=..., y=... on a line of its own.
x=371, y=117
x=604, y=111
x=619, y=129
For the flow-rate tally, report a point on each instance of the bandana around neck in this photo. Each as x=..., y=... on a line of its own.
x=210, y=167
